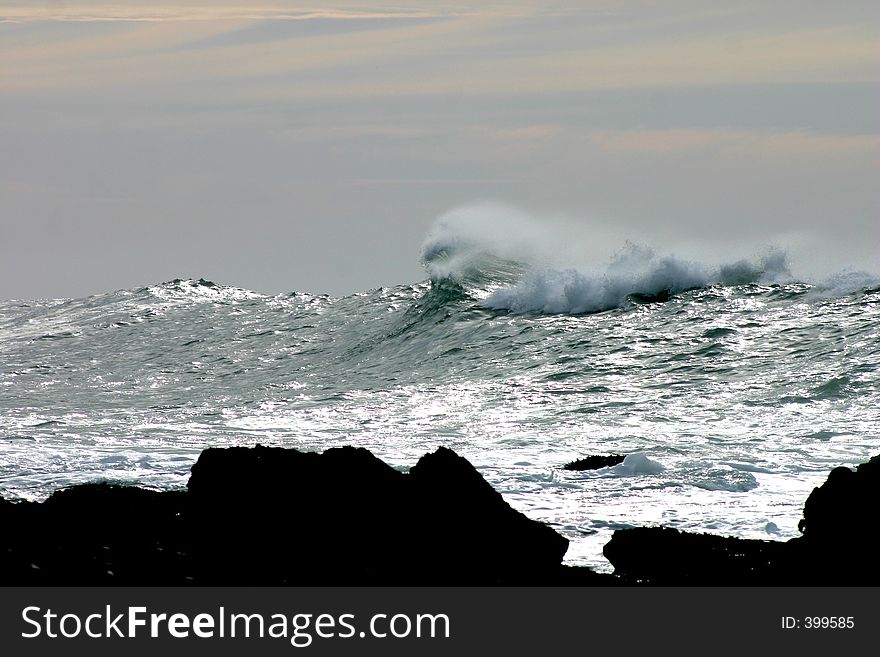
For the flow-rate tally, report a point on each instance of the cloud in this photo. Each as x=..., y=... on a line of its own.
x=130, y=54
x=789, y=144
x=145, y=12
x=325, y=132
x=527, y=133
x=490, y=51
x=664, y=141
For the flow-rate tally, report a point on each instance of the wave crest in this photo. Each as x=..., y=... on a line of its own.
x=480, y=247
x=636, y=274
x=509, y=262
x=193, y=290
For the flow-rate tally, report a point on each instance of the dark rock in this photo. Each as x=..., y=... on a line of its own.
x=844, y=505
x=466, y=520
x=94, y=534
x=595, y=462
x=351, y=517
x=840, y=524
x=272, y=516
x=276, y=516
x=662, y=556
x=267, y=515
x=643, y=297
x=839, y=545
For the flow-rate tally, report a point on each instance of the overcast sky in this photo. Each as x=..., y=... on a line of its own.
x=279, y=148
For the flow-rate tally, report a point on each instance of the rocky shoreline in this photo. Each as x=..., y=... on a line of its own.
x=279, y=517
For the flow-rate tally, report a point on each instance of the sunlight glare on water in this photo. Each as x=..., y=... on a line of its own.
x=734, y=400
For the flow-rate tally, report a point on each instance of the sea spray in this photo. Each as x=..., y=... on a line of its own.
x=515, y=263
x=746, y=386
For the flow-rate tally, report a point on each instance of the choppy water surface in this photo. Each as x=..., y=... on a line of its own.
x=741, y=397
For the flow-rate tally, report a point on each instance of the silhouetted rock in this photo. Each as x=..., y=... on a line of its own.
x=269, y=516
x=465, y=521
x=594, y=462
x=96, y=534
x=839, y=545
x=266, y=515
x=662, y=556
x=845, y=504
x=658, y=297
x=351, y=517
x=840, y=523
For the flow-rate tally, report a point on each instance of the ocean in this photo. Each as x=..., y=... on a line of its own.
x=732, y=389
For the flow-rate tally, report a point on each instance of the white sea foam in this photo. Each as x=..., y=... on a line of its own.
x=843, y=283
x=722, y=479
x=535, y=267
x=635, y=270
x=638, y=463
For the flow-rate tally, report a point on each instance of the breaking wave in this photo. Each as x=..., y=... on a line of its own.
x=636, y=274
x=510, y=263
